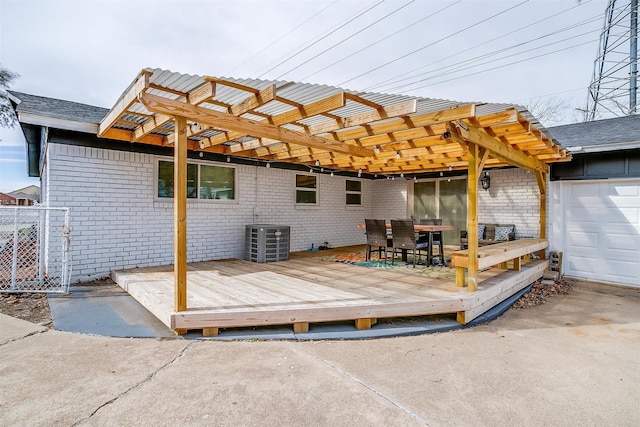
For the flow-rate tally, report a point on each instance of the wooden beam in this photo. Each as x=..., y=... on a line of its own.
x=255, y=100
x=499, y=149
x=484, y=156
x=180, y=215
x=320, y=106
x=197, y=96
x=246, y=126
x=127, y=135
x=542, y=186
x=126, y=100
x=406, y=123
x=361, y=100
x=472, y=216
x=396, y=110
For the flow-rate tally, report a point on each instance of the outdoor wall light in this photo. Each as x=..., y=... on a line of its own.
x=485, y=180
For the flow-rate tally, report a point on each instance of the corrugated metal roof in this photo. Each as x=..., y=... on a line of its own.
x=405, y=141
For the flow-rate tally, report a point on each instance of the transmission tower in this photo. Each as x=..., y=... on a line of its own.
x=614, y=85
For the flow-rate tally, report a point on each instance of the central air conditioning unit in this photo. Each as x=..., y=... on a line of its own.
x=267, y=243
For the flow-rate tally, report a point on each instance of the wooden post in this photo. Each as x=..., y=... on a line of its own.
x=542, y=186
x=301, y=327
x=180, y=215
x=472, y=216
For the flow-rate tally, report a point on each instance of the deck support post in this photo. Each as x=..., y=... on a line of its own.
x=542, y=186
x=475, y=160
x=180, y=215
x=210, y=332
x=517, y=264
x=301, y=327
x=364, y=323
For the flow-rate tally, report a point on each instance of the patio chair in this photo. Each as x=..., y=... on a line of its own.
x=433, y=238
x=404, y=238
x=376, y=230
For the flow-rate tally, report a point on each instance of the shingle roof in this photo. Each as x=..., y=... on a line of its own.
x=600, y=132
x=58, y=108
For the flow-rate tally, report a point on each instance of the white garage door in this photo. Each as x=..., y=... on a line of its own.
x=602, y=230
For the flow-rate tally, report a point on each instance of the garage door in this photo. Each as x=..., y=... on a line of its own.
x=602, y=230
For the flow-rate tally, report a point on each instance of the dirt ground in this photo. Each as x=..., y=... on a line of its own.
x=26, y=306
x=34, y=307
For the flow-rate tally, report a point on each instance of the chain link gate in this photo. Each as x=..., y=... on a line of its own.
x=34, y=249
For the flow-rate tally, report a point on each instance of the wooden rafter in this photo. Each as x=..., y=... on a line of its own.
x=253, y=101
x=497, y=147
x=125, y=102
x=314, y=108
x=245, y=126
x=380, y=138
x=197, y=96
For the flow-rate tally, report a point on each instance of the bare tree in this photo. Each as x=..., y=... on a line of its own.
x=7, y=116
x=549, y=111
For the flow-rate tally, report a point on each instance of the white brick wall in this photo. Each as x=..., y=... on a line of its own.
x=513, y=198
x=390, y=199
x=116, y=223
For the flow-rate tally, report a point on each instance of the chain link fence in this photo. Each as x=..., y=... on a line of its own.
x=34, y=249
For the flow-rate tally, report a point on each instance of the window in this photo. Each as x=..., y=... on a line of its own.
x=354, y=192
x=205, y=182
x=217, y=182
x=306, y=189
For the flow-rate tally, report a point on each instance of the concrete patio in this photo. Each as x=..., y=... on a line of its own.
x=572, y=361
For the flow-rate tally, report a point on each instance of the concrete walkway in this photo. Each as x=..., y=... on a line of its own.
x=572, y=361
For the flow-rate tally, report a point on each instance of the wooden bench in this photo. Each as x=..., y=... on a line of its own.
x=499, y=253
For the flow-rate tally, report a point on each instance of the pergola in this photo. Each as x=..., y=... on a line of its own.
x=326, y=127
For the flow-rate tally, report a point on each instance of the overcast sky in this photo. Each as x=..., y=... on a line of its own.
x=513, y=51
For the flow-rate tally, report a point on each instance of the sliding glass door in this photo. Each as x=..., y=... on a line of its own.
x=442, y=198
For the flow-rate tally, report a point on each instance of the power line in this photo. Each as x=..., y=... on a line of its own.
x=282, y=37
x=394, y=79
x=464, y=65
x=506, y=65
x=380, y=40
x=345, y=23
x=345, y=39
x=433, y=43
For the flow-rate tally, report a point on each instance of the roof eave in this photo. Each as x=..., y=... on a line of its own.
x=34, y=119
x=601, y=148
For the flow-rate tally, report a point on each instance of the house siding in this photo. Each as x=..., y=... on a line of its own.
x=117, y=223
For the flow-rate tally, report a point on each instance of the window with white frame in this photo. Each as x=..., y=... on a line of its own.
x=353, y=192
x=306, y=189
x=204, y=182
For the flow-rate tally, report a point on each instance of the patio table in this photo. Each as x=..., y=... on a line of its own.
x=425, y=229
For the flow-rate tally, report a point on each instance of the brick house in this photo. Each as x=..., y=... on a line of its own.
x=121, y=217
x=27, y=196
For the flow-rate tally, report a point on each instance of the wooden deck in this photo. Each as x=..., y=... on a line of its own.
x=306, y=289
